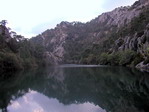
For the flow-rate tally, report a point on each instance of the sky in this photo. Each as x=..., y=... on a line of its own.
x=32, y=17
x=37, y=102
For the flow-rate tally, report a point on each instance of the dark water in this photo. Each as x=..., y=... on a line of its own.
x=72, y=88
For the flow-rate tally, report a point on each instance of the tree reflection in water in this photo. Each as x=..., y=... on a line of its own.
x=114, y=89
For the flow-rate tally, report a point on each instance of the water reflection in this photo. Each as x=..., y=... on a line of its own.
x=36, y=102
x=114, y=89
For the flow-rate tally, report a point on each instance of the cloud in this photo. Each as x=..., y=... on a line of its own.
x=38, y=110
x=36, y=102
x=44, y=26
x=24, y=15
x=15, y=105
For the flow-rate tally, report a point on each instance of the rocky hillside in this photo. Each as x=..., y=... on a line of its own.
x=123, y=29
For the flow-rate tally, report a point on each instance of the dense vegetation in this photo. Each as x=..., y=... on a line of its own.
x=103, y=53
x=94, y=42
x=16, y=52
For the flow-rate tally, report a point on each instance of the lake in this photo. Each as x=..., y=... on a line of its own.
x=75, y=88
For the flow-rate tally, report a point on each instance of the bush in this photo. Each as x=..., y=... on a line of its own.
x=138, y=58
x=103, y=58
x=29, y=63
x=91, y=59
x=118, y=58
x=146, y=60
x=126, y=57
x=9, y=61
x=114, y=58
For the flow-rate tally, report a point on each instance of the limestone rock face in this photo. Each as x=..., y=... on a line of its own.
x=67, y=41
x=122, y=15
x=143, y=1
x=143, y=67
x=139, y=42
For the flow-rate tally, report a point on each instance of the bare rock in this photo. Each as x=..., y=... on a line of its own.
x=142, y=66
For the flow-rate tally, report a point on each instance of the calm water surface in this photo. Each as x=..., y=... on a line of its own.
x=75, y=88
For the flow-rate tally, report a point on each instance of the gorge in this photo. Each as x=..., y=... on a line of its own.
x=118, y=37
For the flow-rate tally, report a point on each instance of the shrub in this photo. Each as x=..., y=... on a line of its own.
x=91, y=59
x=146, y=60
x=28, y=63
x=103, y=58
x=10, y=61
x=118, y=58
x=126, y=57
x=114, y=58
x=138, y=58
x=147, y=50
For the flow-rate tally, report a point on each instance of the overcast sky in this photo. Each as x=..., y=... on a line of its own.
x=31, y=17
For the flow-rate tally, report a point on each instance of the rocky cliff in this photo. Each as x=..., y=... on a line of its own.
x=121, y=29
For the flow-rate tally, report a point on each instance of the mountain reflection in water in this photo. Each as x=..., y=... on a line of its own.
x=75, y=89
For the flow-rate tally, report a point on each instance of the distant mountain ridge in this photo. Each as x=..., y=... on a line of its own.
x=78, y=42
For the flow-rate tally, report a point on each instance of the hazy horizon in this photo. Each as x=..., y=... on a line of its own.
x=30, y=18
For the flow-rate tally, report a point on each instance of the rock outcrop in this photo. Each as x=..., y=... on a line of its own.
x=138, y=42
x=143, y=67
x=71, y=42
